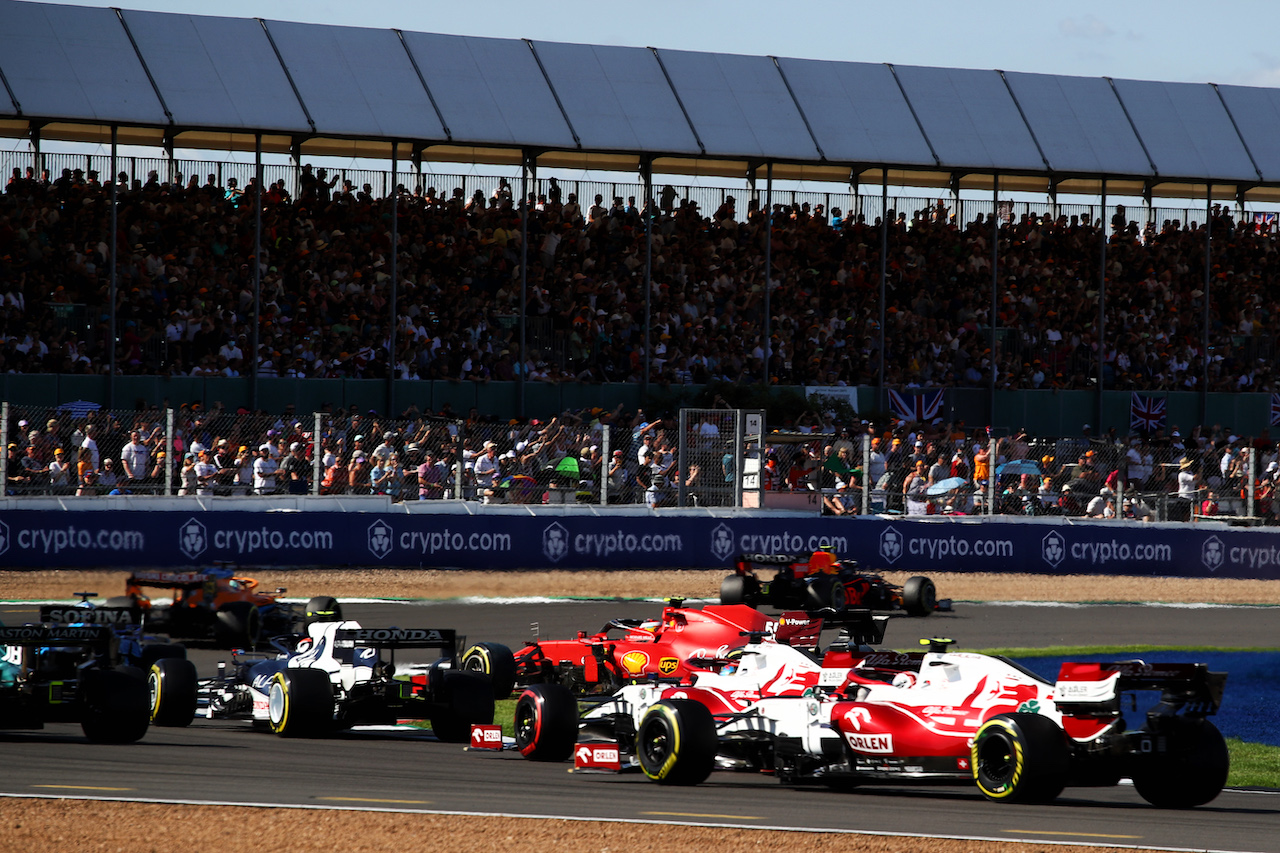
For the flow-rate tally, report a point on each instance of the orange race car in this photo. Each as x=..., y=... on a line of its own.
x=217, y=604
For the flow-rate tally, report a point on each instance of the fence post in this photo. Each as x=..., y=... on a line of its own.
x=1253, y=473
x=168, y=452
x=317, y=420
x=4, y=444
x=457, y=461
x=866, y=474
x=991, y=476
x=606, y=459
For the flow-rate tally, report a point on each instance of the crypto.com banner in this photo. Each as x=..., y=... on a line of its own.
x=500, y=541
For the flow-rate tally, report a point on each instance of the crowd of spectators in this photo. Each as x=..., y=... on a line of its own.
x=596, y=455
x=417, y=455
x=184, y=301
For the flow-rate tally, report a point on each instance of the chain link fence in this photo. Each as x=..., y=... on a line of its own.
x=81, y=450
x=1141, y=479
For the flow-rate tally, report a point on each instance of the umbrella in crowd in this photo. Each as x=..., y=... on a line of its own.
x=1019, y=466
x=943, y=486
x=79, y=408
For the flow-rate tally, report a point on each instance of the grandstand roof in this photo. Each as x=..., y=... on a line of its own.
x=192, y=81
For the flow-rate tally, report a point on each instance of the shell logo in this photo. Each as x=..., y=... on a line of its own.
x=635, y=662
x=666, y=666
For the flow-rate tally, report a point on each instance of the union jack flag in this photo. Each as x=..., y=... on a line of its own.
x=921, y=408
x=1275, y=409
x=1146, y=413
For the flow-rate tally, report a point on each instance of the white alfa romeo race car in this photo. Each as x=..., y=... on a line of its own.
x=939, y=715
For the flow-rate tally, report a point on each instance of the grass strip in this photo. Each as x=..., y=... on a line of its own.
x=1068, y=651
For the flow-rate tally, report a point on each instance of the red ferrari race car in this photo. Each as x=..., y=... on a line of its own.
x=670, y=647
x=822, y=580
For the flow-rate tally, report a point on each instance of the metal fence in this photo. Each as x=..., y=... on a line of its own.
x=80, y=450
x=1172, y=478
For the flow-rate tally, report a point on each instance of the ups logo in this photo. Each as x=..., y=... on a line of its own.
x=666, y=666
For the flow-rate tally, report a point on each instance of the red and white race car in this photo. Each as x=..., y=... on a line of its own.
x=672, y=647
x=882, y=716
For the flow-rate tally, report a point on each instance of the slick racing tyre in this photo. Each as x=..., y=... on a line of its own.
x=172, y=685
x=238, y=625
x=1020, y=758
x=114, y=705
x=919, y=596
x=322, y=608
x=825, y=591
x=733, y=590
x=300, y=703
x=467, y=699
x=676, y=742
x=494, y=661
x=1192, y=770
x=546, y=722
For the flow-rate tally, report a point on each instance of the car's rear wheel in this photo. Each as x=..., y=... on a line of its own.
x=733, y=590
x=114, y=705
x=237, y=625
x=172, y=684
x=1190, y=773
x=300, y=703
x=322, y=608
x=676, y=742
x=467, y=699
x=919, y=596
x=546, y=722
x=825, y=591
x=1020, y=758
x=494, y=661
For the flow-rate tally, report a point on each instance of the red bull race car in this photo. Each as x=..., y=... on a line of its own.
x=822, y=580
x=939, y=716
x=673, y=646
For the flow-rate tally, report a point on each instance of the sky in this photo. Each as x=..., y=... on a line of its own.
x=1202, y=42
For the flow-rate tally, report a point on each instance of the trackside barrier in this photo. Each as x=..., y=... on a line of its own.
x=570, y=538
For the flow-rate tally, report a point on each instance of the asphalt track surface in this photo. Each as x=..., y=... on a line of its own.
x=227, y=761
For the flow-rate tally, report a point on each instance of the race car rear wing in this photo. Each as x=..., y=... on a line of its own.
x=67, y=615
x=1090, y=688
x=396, y=638
x=173, y=580
x=97, y=637
x=857, y=627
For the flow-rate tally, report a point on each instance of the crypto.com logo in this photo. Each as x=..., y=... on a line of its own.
x=4, y=537
x=380, y=536
x=721, y=542
x=1053, y=548
x=555, y=542
x=891, y=544
x=192, y=539
x=1211, y=553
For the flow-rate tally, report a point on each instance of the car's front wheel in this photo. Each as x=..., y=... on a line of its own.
x=1020, y=758
x=676, y=742
x=546, y=722
x=172, y=683
x=919, y=596
x=494, y=661
x=300, y=703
